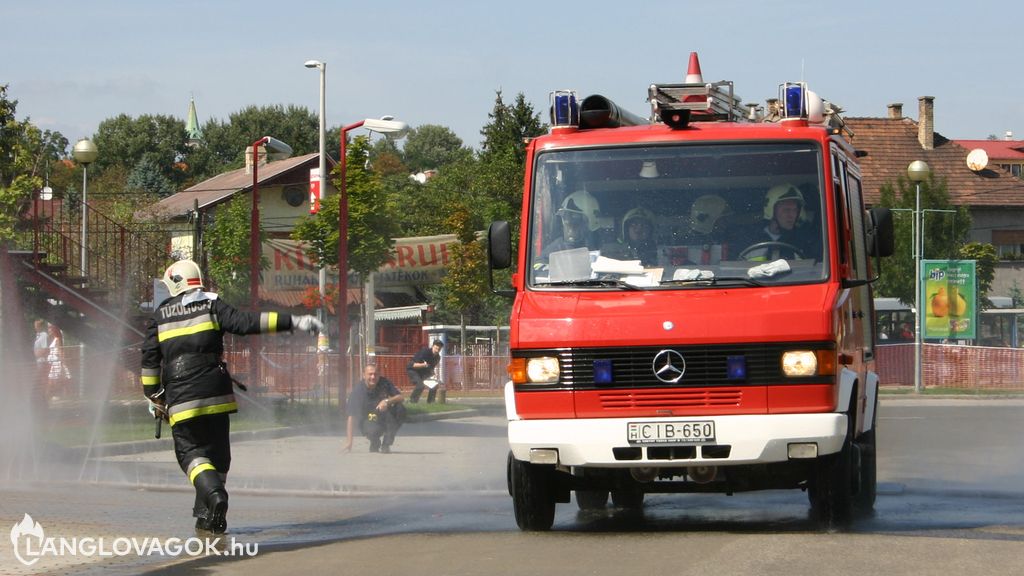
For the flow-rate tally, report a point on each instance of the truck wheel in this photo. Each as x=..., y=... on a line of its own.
x=533, y=495
x=591, y=499
x=834, y=480
x=864, y=501
x=628, y=499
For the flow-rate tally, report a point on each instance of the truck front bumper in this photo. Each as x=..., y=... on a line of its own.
x=750, y=439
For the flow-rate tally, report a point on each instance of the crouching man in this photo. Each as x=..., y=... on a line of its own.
x=377, y=405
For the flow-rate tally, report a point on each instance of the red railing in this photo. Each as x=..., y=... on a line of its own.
x=120, y=261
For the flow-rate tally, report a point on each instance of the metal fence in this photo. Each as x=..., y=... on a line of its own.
x=968, y=368
x=303, y=375
x=299, y=374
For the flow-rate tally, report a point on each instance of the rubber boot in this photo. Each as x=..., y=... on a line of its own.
x=201, y=514
x=210, y=487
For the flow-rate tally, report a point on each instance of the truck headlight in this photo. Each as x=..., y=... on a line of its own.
x=799, y=363
x=540, y=370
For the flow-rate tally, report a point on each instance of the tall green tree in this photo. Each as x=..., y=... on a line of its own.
x=26, y=153
x=509, y=127
x=147, y=178
x=225, y=142
x=944, y=232
x=155, y=140
x=430, y=146
x=227, y=249
x=372, y=221
x=478, y=192
x=985, y=258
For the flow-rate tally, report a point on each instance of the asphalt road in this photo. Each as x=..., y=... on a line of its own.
x=950, y=500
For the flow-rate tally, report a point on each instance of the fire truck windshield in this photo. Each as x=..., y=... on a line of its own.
x=678, y=216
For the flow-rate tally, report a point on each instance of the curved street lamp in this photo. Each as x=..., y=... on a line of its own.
x=280, y=148
x=85, y=152
x=918, y=172
x=386, y=125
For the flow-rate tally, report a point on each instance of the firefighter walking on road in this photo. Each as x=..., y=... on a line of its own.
x=187, y=383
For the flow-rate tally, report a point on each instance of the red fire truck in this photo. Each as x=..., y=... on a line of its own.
x=693, y=307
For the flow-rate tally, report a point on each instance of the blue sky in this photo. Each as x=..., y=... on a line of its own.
x=73, y=64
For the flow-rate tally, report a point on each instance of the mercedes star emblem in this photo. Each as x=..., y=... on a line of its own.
x=669, y=366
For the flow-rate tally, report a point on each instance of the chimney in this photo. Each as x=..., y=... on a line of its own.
x=248, y=158
x=926, y=122
x=895, y=110
x=1008, y=136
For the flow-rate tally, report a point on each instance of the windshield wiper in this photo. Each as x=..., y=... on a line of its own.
x=618, y=283
x=714, y=281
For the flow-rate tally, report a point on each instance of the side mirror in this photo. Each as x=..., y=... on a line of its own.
x=499, y=245
x=880, y=234
x=499, y=252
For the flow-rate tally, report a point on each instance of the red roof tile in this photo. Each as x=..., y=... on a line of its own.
x=997, y=149
x=891, y=145
x=224, y=185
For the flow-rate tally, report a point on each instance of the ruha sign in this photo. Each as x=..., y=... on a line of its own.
x=414, y=261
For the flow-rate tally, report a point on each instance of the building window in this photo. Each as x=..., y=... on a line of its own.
x=1009, y=244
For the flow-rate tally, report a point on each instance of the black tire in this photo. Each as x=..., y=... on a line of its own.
x=864, y=501
x=834, y=481
x=533, y=495
x=508, y=472
x=628, y=499
x=591, y=499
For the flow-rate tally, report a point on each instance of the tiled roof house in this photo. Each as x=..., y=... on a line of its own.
x=1007, y=154
x=994, y=197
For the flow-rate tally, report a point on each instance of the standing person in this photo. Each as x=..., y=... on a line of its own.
x=422, y=366
x=59, y=375
x=378, y=405
x=41, y=351
x=187, y=382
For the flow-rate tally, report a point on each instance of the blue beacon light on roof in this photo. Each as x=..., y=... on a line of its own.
x=794, y=96
x=565, y=109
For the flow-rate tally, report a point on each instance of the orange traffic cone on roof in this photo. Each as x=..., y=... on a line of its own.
x=693, y=75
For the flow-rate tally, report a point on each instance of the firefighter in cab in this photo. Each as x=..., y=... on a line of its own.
x=188, y=385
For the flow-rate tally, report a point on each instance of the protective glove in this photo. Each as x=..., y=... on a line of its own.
x=307, y=323
x=158, y=410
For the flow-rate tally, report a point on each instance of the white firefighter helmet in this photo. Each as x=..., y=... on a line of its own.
x=183, y=276
x=779, y=193
x=705, y=212
x=637, y=213
x=582, y=203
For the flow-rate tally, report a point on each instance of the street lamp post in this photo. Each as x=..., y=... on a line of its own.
x=85, y=152
x=918, y=172
x=384, y=127
x=322, y=273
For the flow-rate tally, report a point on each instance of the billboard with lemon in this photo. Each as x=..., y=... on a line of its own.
x=949, y=299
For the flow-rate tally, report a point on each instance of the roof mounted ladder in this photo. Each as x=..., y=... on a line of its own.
x=711, y=101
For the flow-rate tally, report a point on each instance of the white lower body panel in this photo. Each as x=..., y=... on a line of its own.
x=754, y=439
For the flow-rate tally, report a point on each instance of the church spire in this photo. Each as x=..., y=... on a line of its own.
x=195, y=134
